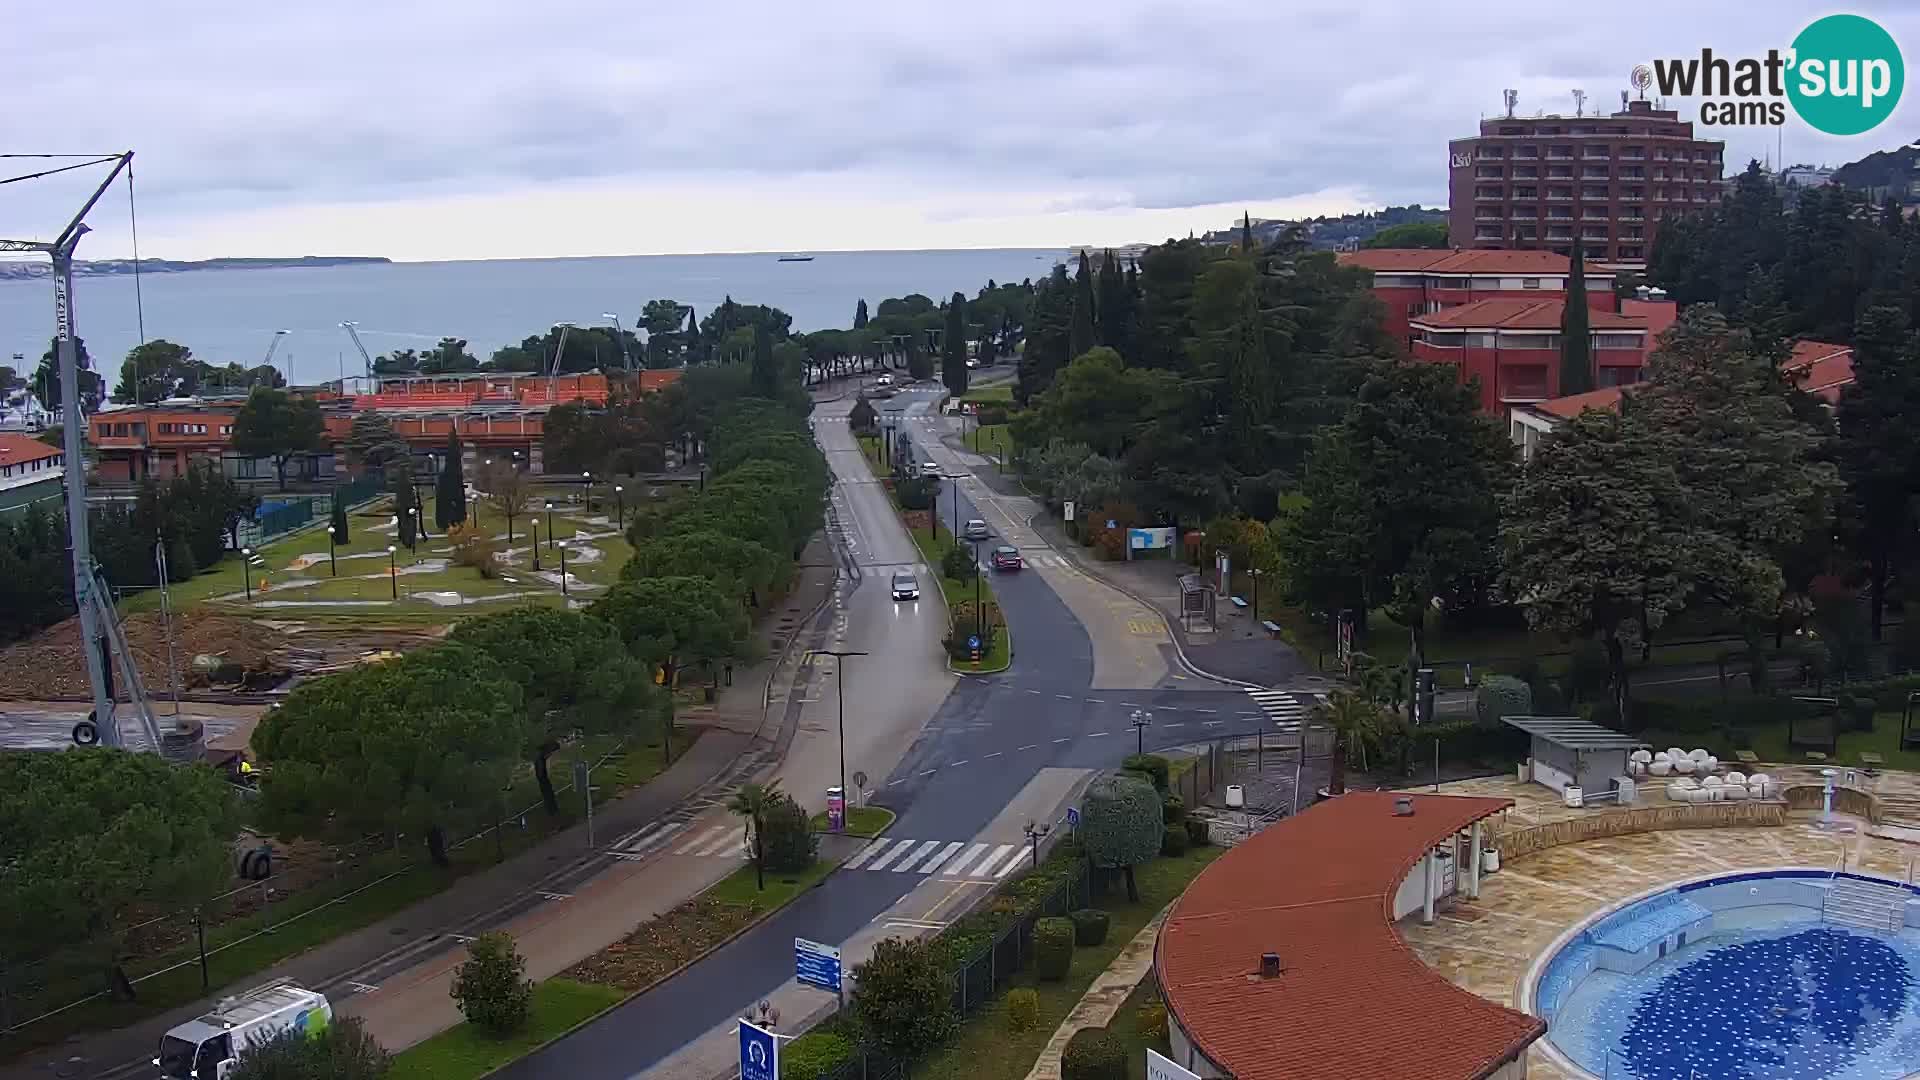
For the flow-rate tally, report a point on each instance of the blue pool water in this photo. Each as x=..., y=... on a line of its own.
x=1763, y=992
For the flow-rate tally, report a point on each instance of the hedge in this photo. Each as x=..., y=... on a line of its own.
x=1197, y=833
x=1089, y=926
x=1500, y=696
x=1053, y=948
x=1023, y=1008
x=1150, y=1022
x=815, y=1054
x=1174, y=810
x=1094, y=1054
x=1173, y=842
x=1153, y=766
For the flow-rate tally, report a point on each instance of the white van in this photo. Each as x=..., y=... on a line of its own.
x=209, y=1047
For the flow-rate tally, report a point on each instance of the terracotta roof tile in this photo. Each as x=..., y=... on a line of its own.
x=1518, y=313
x=1465, y=261
x=16, y=449
x=1566, y=408
x=1353, y=1000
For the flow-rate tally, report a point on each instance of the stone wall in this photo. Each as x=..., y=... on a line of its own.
x=1846, y=800
x=1516, y=843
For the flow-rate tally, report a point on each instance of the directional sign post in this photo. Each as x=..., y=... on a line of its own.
x=815, y=964
x=1158, y=1068
x=759, y=1053
x=1073, y=820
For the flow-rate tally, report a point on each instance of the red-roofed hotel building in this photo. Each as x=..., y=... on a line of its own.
x=1412, y=282
x=1539, y=181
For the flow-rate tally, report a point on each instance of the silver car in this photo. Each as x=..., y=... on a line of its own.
x=976, y=530
x=905, y=585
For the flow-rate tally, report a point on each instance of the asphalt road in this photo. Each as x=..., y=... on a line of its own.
x=985, y=739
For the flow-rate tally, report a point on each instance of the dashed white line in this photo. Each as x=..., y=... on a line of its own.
x=1062, y=740
x=1175, y=724
x=1212, y=723
x=962, y=761
x=929, y=772
x=1095, y=734
x=1029, y=746
x=996, y=753
x=1097, y=701
x=1206, y=710
x=896, y=783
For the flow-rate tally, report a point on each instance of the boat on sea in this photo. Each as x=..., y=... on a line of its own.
x=796, y=258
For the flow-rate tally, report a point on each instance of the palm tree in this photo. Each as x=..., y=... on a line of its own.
x=1355, y=721
x=751, y=802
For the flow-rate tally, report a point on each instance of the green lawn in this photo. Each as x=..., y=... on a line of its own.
x=1769, y=743
x=358, y=571
x=464, y=1052
x=740, y=887
x=935, y=548
x=991, y=440
x=1124, y=1024
x=861, y=821
x=999, y=393
x=986, y=1049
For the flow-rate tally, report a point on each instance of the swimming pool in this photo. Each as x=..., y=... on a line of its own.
x=1791, y=974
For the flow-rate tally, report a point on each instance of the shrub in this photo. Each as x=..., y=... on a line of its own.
x=958, y=563
x=340, y=1051
x=473, y=548
x=790, y=843
x=1856, y=712
x=1089, y=926
x=1023, y=1009
x=814, y=1055
x=915, y=494
x=1197, y=834
x=1150, y=1021
x=1120, y=823
x=903, y=998
x=1152, y=766
x=1094, y=1054
x=1052, y=948
x=1173, y=841
x=1501, y=696
x=1173, y=810
x=490, y=985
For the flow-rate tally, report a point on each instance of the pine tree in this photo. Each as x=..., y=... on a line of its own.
x=953, y=360
x=1878, y=448
x=404, y=512
x=450, y=490
x=860, y=316
x=765, y=378
x=1080, y=337
x=1576, y=338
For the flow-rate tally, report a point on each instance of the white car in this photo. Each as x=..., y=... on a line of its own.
x=928, y=468
x=884, y=380
x=905, y=586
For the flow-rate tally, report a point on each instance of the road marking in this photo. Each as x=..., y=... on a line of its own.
x=461, y=938
x=1029, y=746
x=1011, y=853
x=1013, y=863
x=959, y=865
x=1058, y=741
x=956, y=764
x=362, y=988
x=1206, y=710
x=1095, y=734
x=898, y=850
x=706, y=836
x=1064, y=697
x=866, y=853
x=928, y=772
x=720, y=843
x=996, y=753
x=1211, y=723
x=556, y=896
x=1132, y=705
x=945, y=854
x=896, y=783
x=1175, y=724
x=921, y=852
x=1035, y=693
x=915, y=924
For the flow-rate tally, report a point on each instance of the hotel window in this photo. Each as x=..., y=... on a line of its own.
x=1616, y=341
x=1479, y=341
x=1530, y=283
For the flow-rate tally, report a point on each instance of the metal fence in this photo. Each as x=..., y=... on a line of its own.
x=281, y=515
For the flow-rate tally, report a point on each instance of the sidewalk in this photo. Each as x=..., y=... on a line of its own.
x=740, y=736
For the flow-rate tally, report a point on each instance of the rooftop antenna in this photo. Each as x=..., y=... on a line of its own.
x=1623, y=101
x=1513, y=98
x=103, y=643
x=1579, y=103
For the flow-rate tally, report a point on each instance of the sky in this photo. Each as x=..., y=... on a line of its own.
x=430, y=129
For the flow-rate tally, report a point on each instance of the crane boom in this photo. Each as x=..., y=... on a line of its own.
x=355, y=335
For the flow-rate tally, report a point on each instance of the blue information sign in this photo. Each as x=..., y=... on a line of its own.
x=973, y=641
x=759, y=1053
x=1073, y=816
x=815, y=964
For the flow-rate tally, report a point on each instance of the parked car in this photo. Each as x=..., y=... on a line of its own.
x=976, y=530
x=905, y=585
x=1006, y=558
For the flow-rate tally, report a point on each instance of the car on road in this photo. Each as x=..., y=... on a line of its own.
x=905, y=585
x=1006, y=558
x=884, y=380
x=976, y=530
x=928, y=468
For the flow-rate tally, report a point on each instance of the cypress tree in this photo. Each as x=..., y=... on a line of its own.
x=1113, y=305
x=764, y=381
x=403, y=510
x=450, y=491
x=953, y=359
x=692, y=354
x=1576, y=339
x=1246, y=232
x=1080, y=334
x=339, y=522
x=860, y=316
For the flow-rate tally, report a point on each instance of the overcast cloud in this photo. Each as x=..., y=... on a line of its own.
x=500, y=128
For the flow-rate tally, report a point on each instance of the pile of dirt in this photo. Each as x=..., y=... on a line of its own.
x=51, y=665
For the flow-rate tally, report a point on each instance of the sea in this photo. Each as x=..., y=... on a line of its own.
x=231, y=315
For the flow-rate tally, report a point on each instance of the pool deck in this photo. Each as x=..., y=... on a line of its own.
x=1487, y=945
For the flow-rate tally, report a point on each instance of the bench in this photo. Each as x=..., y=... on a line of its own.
x=1237, y=602
x=1272, y=628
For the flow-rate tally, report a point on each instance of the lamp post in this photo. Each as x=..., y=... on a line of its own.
x=563, y=568
x=979, y=615
x=1141, y=720
x=535, y=528
x=246, y=571
x=393, y=571
x=332, y=539
x=549, y=526
x=620, y=335
x=840, y=670
x=1035, y=834
x=999, y=455
x=619, y=508
x=413, y=541
x=1255, y=575
x=586, y=481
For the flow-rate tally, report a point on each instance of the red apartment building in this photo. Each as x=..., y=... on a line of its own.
x=1537, y=182
x=1412, y=282
x=1512, y=345
x=498, y=415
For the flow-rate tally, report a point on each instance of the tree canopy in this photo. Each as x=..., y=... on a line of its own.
x=277, y=424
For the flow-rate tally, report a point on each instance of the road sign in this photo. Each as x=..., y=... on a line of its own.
x=973, y=641
x=1069, y=510
x=815, y=964
x=1158, y=1068
x=1073, y=816
x=1112, y=524
x=759, y=1053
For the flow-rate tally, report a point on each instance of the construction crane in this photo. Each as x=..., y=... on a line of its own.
x=272, y=347
x=103, y=643
x=559, y=350
x=355, y=335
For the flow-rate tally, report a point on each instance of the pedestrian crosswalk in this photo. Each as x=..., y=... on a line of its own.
x=949, y=859
x=1033, y=558
x=1282, y=706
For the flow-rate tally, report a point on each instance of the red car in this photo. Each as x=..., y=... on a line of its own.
x=1006, y=558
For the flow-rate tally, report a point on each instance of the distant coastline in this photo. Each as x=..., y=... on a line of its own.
x=110, y=267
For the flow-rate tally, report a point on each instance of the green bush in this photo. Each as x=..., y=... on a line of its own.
x=1089, y=926
x=1173, y=841
x=1052, y=948
x=1023, y=1009
x=1120, y=821
x=1501, y=696
x=1174, y=810
x=1856, y=712
x=1197, y=834
x=790, y=843
x=491, y=987
x=903, y=998
x=958, y=563
x=1152, y=766
x=815, y=1054
x=916, y=494
x=340, y=1051
x=1094, y=1054
x=1150, y=1022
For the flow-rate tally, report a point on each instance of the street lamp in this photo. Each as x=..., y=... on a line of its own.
x=619, y=508
x=586, y=481
x=840, y=671
x=246, y=570
x=536, y=541
x=1141, y=720
x=1255, y=575
x=621, y=336
x=549, y=526
x=563, y=568
x=332, y=539
x=1035, y=834
x=393, y=571
x=413, y=540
